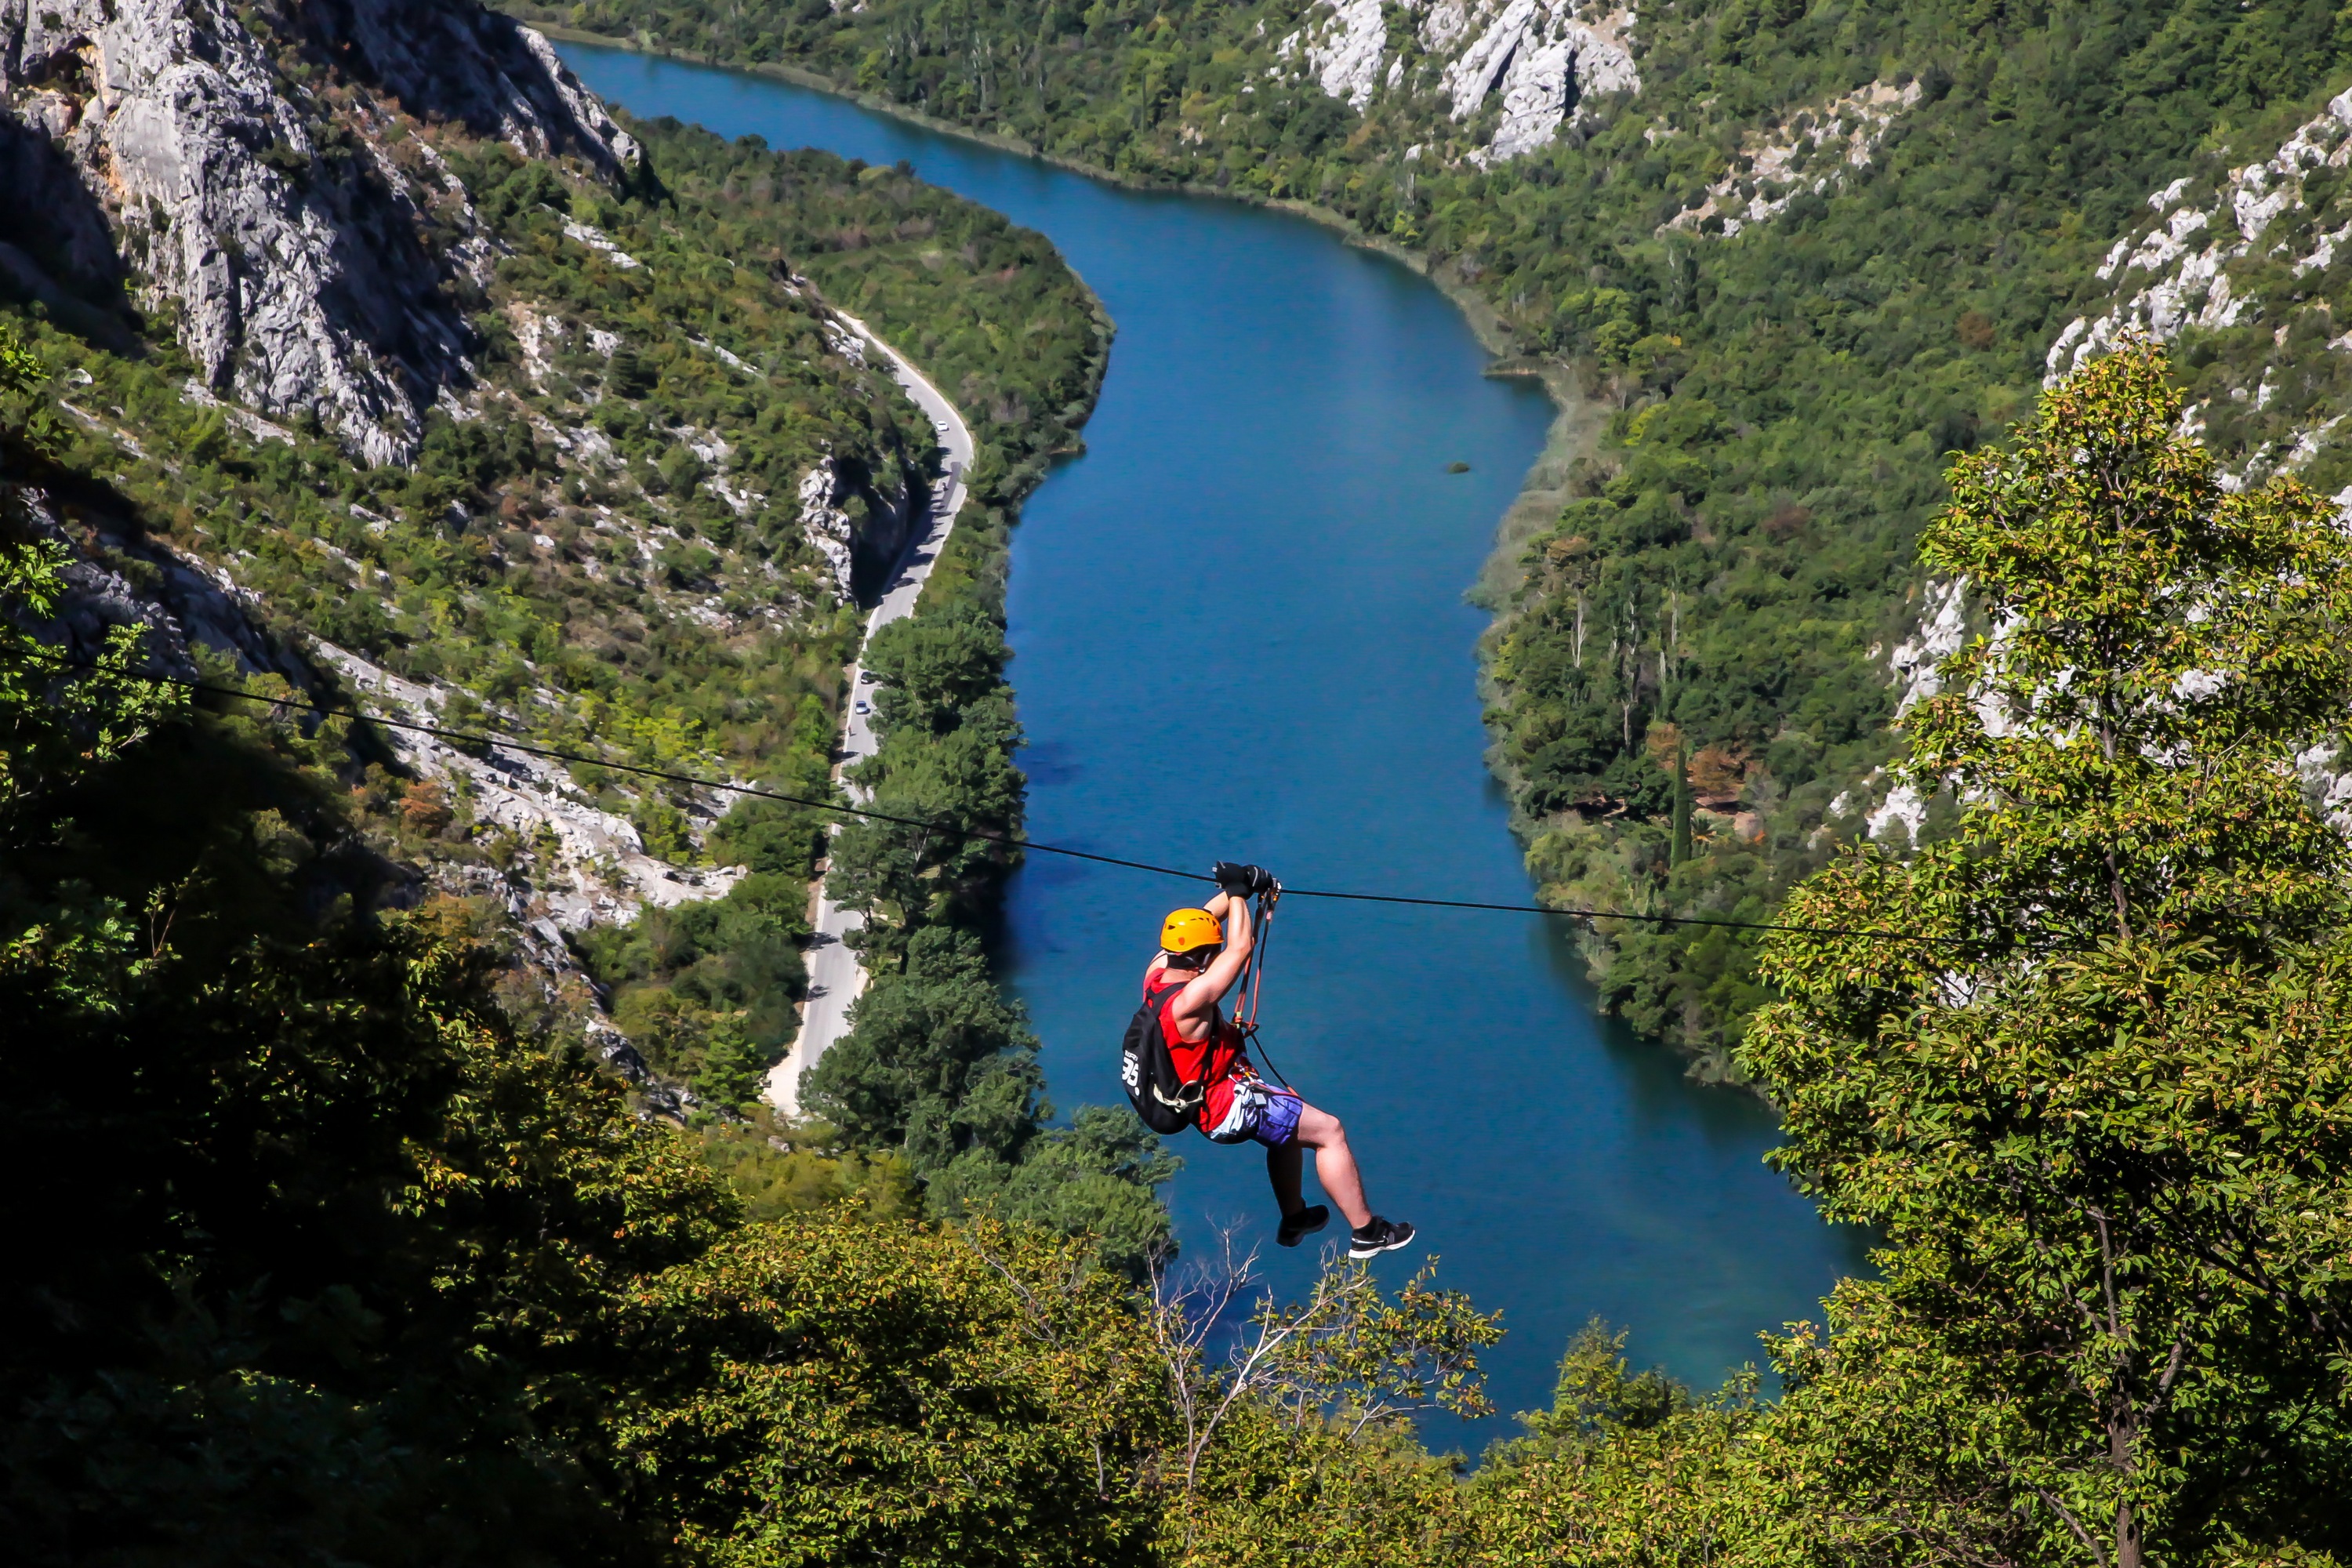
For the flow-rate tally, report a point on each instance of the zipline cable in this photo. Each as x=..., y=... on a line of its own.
x=478, y=738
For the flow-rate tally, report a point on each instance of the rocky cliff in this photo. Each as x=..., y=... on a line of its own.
x=1515, y=74
x=253, y=203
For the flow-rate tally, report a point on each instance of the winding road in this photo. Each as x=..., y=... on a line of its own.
x=836, y=977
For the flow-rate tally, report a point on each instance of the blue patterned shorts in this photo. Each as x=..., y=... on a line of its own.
x=1259, y=1111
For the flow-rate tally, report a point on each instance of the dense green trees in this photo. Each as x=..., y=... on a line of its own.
x=708, y=990
x=2100, y=1111
x=313, y=1256
x=949, y=1399
x=944, y=720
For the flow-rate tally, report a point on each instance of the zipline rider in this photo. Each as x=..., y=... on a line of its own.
x=1202, y=954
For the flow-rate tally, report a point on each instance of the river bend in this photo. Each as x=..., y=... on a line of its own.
x=1240, y=632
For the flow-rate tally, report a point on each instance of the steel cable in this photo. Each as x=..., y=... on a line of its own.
x=480, y=738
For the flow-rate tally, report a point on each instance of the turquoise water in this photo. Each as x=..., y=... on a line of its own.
x=1241, y=633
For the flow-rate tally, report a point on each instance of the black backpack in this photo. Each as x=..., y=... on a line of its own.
x=1165, y=1101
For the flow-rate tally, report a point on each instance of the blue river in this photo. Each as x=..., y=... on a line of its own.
x=1241, y=633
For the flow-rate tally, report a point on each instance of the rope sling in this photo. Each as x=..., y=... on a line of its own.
x=1251, y=990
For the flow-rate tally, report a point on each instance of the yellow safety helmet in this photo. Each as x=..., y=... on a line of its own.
x=1186, y=929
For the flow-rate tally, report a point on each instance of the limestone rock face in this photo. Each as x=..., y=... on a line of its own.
x=827, y=522
x=1543, y=59
x=2210, y=253
x=1818, y=148
x=271, y=224
x=457, y=61
x=2177, y=260
x=854, y=549
x=1347, y=60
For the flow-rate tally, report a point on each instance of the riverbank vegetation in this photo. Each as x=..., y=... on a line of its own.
x=937, y=1063
x=1732, y=569
x=709, y=991
x=369, y=1276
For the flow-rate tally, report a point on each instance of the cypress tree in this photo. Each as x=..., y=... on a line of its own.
x=1682, y=844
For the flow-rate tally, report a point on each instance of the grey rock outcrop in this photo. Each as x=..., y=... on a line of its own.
x=1544, y=58
x=293, y=251
x=56, y=245
x=860, y=527
x=452, y=61
x=179, y=604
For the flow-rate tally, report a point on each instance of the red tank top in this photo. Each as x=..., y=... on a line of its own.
x=1217, y=1056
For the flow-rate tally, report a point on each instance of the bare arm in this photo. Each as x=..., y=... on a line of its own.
x=1195, y=1003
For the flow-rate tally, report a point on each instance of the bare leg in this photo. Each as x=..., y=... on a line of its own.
x=1283, y=1168
x=1335, y=1167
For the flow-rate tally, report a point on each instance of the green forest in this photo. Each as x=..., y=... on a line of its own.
x=369, y=1269
x=1735, y=561
x=386, y=1202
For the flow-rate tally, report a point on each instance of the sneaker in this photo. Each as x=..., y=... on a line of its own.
x=1304, y=1223
x=1380, y=1235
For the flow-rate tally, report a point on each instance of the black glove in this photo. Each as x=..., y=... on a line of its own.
x=1241, y=882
